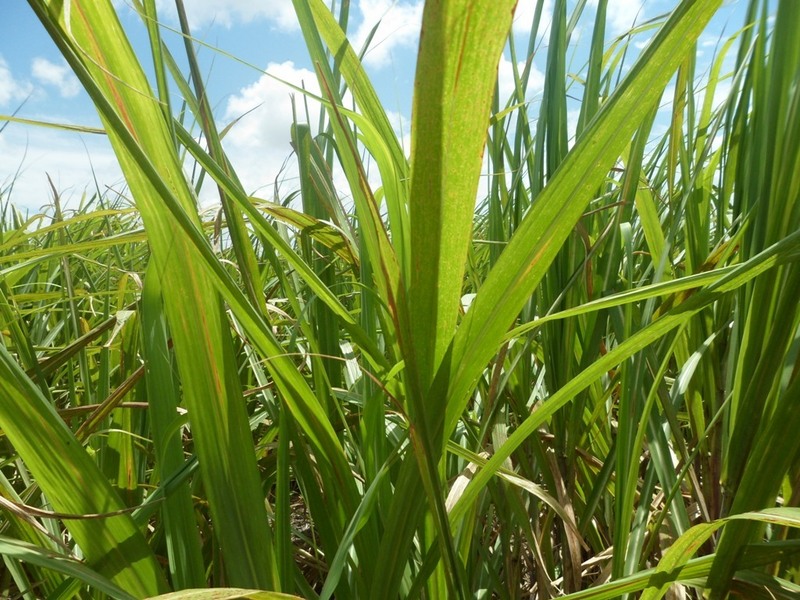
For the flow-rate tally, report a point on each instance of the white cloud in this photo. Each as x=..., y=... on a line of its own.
x=623, y=14
x=505, y=78
x=231, y=12
x=11, y=89
x=57, y=75
x=259, y=144
x=399, y=27
x=523, y=17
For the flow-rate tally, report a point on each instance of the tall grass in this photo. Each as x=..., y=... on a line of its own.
x=584, y=386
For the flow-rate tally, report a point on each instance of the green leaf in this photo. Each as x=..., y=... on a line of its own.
x=113, y=546
x=224, y=594
x=63, y=564
x=96, y=47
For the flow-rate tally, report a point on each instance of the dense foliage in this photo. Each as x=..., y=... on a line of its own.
x=588, y=385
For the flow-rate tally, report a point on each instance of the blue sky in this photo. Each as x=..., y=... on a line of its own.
x=262, y=33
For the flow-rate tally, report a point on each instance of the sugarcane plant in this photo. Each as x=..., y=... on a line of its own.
x=583, y=385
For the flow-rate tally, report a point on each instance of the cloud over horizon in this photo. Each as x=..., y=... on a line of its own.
x=73, y=161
